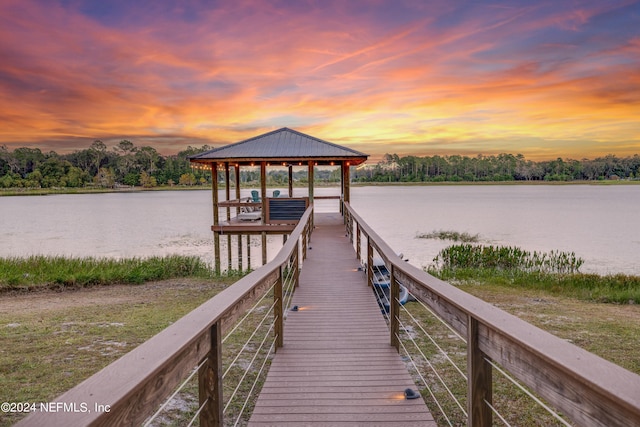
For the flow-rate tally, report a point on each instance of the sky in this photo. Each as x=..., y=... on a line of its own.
x=542, y=78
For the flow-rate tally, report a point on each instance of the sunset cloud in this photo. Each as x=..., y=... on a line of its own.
x=545, y=79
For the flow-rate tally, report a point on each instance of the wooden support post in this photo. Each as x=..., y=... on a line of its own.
x=236, y=170
x=479, y=380
x=290, y=181
x=227, y=191
x=305, y=232
x=311, y=165
x=264, y=248
x=346, y=182
x=394, y=310
x=248, y=251
x=240, y=252
x=216, y=250
x=278, y=311
x=369, y=262
x=296, y=265
x=216, y=217
x=358, y=243
x=210, y=382
x=263, y=191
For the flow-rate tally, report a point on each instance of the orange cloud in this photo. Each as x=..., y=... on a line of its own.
x=543, y=79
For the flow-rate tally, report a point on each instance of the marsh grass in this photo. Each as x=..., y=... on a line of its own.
x=554, y=272
x=505, y=258
x=37, y=272
x=455, y=236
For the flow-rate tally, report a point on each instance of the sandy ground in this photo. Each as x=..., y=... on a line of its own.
x=45, y=300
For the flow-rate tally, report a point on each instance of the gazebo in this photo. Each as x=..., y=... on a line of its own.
x=261, y=214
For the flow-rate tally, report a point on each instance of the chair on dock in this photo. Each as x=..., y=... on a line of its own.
x=248, y=212
x=276, y=193
x=255, y=195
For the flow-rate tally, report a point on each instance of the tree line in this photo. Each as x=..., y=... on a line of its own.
x=128, y=165
x=123, y=165
x=502, y=167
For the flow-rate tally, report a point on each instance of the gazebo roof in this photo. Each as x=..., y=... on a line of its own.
x=282, y=145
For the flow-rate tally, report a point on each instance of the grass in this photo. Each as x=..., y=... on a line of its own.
x=68, y=330
x=455, y=236
x=607, y=330
x=54, y=340
x=38, y=272
x=556, y=273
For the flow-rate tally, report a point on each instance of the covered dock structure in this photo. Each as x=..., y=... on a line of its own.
x=262, y=214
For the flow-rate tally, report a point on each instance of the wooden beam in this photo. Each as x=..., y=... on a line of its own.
x=216, y=218
x=479, y=384
x=227, y=185
x=263, y=188
x=311, y=165
x=210, y=382
x=264, y=248
x=290, y=180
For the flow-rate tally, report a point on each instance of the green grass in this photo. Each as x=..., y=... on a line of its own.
x=455, y=236
x=52, y=341
x=619, y=288
x=556, y=273
x=37, y=272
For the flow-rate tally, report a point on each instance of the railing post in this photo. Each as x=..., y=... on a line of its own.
x=296, y=265
x=479, y=380
x=358, y=242
x=278, y=311
x=210, y=382
x=369, y=262
x=394, y=310
x=304, y=242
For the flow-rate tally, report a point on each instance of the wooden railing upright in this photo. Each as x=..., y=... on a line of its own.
x=587, y=389
x=132, y=388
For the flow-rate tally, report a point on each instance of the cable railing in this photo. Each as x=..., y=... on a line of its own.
x=205, y=368
x=480, y=366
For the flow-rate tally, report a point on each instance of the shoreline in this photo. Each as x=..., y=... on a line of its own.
x=8, y=192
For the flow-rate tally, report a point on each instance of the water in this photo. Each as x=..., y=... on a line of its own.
x=598, y=223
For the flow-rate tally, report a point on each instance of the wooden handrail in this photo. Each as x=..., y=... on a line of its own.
x=129, y=390
x=587, y=389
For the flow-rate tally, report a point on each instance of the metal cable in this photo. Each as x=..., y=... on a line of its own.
x=463, y=339
x=193, y=419
x=444, y=353
x=268, y=313
x=495, y=411
x=233, y=395
x=264, y=362
x=248, y=314
x=166, y=402
x=444, y=384
x=435, y=399
x=528, y=393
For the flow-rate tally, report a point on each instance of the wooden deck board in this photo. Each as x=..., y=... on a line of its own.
x=337, y=366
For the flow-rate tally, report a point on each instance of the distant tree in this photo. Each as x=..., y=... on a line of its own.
x=187, y=179
x=105, y=178
x=147, y=181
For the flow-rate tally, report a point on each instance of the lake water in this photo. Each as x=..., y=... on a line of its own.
x=598, y=223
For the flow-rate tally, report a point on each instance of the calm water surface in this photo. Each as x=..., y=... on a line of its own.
x=598, y=223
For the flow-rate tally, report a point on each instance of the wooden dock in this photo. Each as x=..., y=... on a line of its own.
x=337, y=366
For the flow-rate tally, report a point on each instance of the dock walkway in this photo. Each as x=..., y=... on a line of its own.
x=337, y=366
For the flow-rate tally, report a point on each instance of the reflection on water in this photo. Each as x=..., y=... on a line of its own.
x=598, y=223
